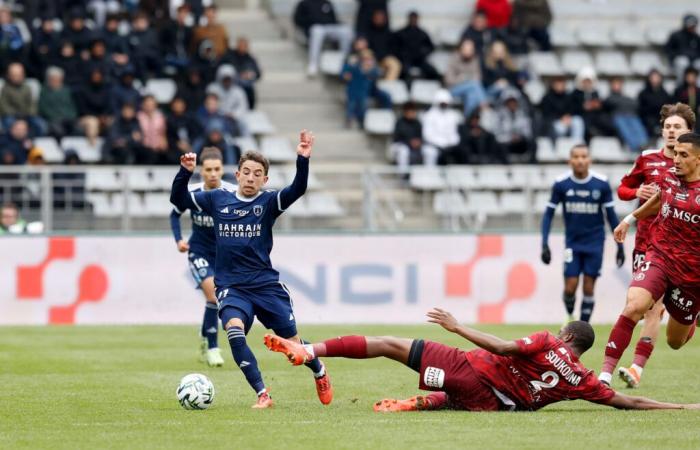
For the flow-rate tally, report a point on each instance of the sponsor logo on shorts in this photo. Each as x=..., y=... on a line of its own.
x=434, y=377
x=639, y=276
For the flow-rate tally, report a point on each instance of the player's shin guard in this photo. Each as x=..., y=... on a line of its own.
x=642, y=352
x=619, y=339
x=587, y=308
x=345, y=346
x=210, y=324
x=569, y=302
x=315, y=364
x=245, y=359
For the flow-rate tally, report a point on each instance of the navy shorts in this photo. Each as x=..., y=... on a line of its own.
x=577, y=262
x=271, y=304
x=201, y=267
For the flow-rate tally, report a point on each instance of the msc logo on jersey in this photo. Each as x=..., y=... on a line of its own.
x=665, y=210
x=258, y=210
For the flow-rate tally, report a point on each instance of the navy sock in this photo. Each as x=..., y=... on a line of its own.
x=569, y=302
x=314, y=364
x=587, y=308
x=245, y=359
x=210, y=325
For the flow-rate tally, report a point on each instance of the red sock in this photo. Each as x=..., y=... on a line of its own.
x=619, y=339
x=642, y=352
x=347, y=347
x=436, y=400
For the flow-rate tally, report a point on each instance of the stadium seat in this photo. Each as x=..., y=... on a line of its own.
x=545, y=150
x=523, y=176
x=162, y=177
x=563, y=147
x=449, y=203
x=427, y=178
x=85, y=151
x=103, y=179
x=135, y=206
x=277, y=149
x=612, y=62
x=299, y=208
x=106, y=205
x=535, y=90
x=603, y=88
x=574, y=60
x=423, y=91
x=440, y=60
x=514, y=202
x=157, y=204
x=312, y=184
x=323, y=204
x=380, y=121
x=258, y=123
x=163, y=89
x=332, y=62
x=460, y=177
x=450, y=36
x=563, y=35
x=608, y=149
x=541, y=200
x=642, y=61
x=276, y=178
x=545, y=64
x=629, y=35
x=595, y=35
x=396, y=89
x=493, y=177
x=140, y=179
x=632, y=87
x=483, y=204
x=52, y=151
x=34, y=87
x=657, y=34
x=246, y=143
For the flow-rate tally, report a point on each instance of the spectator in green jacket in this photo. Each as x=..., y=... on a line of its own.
x=56, y=104
x=16, y=101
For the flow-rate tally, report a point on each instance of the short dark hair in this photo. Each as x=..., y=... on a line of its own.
x=410, y=106
x=583, y=334
x=579, y=145
x=254, y=156
x=679, y=109
x=690, y=138
x=211, y=153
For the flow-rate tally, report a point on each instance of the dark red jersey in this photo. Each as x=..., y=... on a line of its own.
x=649, y=168
x=543, y=372
x=674, y=244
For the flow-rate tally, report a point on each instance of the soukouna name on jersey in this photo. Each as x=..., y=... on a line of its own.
x=563, y=368
x=240, y=230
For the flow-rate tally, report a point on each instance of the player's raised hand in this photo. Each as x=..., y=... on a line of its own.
x=621, y=232
x=646, y=191
x=189, y=161
x=306, y=143
x=182, y=246
x=443, y=318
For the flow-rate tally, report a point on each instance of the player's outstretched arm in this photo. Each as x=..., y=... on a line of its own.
x=486, y=341
x=179, y=194
x=648, y=209
x=622, y=401
x=294, y=191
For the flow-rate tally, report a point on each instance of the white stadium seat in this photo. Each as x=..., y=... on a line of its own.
x=449, y=203
x=106, y=205
x=483, y=203
x=629, y=35
x=332, y=62
x=545, y=150
x=535, y=90
x=450, y=36
x=157, y=204
x=276, y=178
x=50, y=148
x=514, y=202
x=163, y=89
x=563, y=147
x=246, y=143
x=545, y=64
x=277, y=149
x=657, y=34
x=440, y=60
x=34, y=87
x=423, y=91
x=103, y=179
x=299, y=208
x=258, y=122
x=632, y=88
x=608, y=149
x=380, y=121
x=86, y=152
x=612, y=62
x=396, y=89
x=574, y=60
x=493, y=177
x=427, y=178
x=523, y=176
x=563, y=35
x=139, y=179
x=323, y=204
x=642, y=61
x=460, y=177
x=595, y=35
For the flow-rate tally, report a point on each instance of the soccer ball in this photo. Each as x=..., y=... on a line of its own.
x=195, y=391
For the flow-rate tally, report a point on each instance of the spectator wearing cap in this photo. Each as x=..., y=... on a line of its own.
x=17, y=101
x=683, y=46
x=16, y=144
x=535, y=16
x=514, y=128
x=192, y=89
x=246, y=67
x=463, y=77
x=407, y=145
x=497, y=12
x=366, y=12
x=123, y=90
x=651, y=99
x=77, y=33
x=382, y=42
x=144, y=48
x=623, y=110
x=213, y=32
x=11, y=42
x=56, y=104
x=44, y=47
x=182, y=128
x=176, y=39
x=233, y=102
x=476, y=144
x=124, y=141
x=440, y=124
x=479, y=32
x=93, y=102
x=589, y=105
x=215, y=136
x=413, y=46
x=558, y=115
x=155, y=141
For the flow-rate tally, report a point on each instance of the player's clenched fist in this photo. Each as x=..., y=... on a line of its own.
x=443, y=318
x=306, y=143
x=189, y=161
x=621, y=232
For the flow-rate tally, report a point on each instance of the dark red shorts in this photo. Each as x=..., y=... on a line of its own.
x=446, y=369
x=682, y=303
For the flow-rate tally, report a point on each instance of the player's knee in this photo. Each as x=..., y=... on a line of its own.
x=675, y=343
x=234, y=323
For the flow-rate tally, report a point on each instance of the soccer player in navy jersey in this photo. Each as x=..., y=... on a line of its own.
x=584, y=195
x=522, y=375
x=246, y=284
x=201, y=251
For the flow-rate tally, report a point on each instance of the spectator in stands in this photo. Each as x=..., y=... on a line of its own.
x=182, y=128
x=366, y=13
x=514, y=128
x=497, y=12
x=192, y=89
x=155, y=141
x=16, y=144
x=77, y=33
x=476, y=144
x=651, y=99
x=233, y=102
x=535, y=16
x=247, y=68
x=71, y=64
x=683, y=46
x=98, y=58
x=44, y=47
x=209, y=112
x=558, y=117
x=440, y=125
x=407, y=145
x=381, y=41
x=18, y=102
x=206, y=61
x=11, y=41
x=213, y=31
x=479, y=32
x=124, y=138
x=360, y=73
x=360, y=46
x=500, y=72
x=144, y=50
x=117, y=45
x=687, y=92
x=92, y=100
x=101, y=8
x=123, y=90
x=317, y=19
x=56, y=104
x=516, y=39
x=589, y=105
x=413, y=46
x=463, y=77
x=69, y=187
x=215, y=137
x=623, y=110
x=10, y=220
x=176, y=39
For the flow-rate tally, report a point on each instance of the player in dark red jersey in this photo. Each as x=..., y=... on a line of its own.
x=525, y=375
x=672, y=260
x=642, y=183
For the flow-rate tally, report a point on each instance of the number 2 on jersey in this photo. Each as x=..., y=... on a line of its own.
x=549, y=380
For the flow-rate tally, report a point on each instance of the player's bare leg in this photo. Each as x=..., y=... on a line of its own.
x=246, y=362
x=588, y=301
x=209, y=348
x=677, y=334
x=570, y=287
x=639, y=301
x=650, y=332
x=324, y=389
x=432, y=401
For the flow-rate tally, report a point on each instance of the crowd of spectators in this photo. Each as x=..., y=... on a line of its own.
x=82, y=68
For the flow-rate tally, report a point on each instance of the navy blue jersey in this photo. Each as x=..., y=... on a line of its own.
x=242, y=226
x=583, y=201
x=203, y=239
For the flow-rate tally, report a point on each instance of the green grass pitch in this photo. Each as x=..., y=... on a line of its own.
x=114, y=387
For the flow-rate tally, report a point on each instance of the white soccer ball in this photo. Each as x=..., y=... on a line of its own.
x=195, y=391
